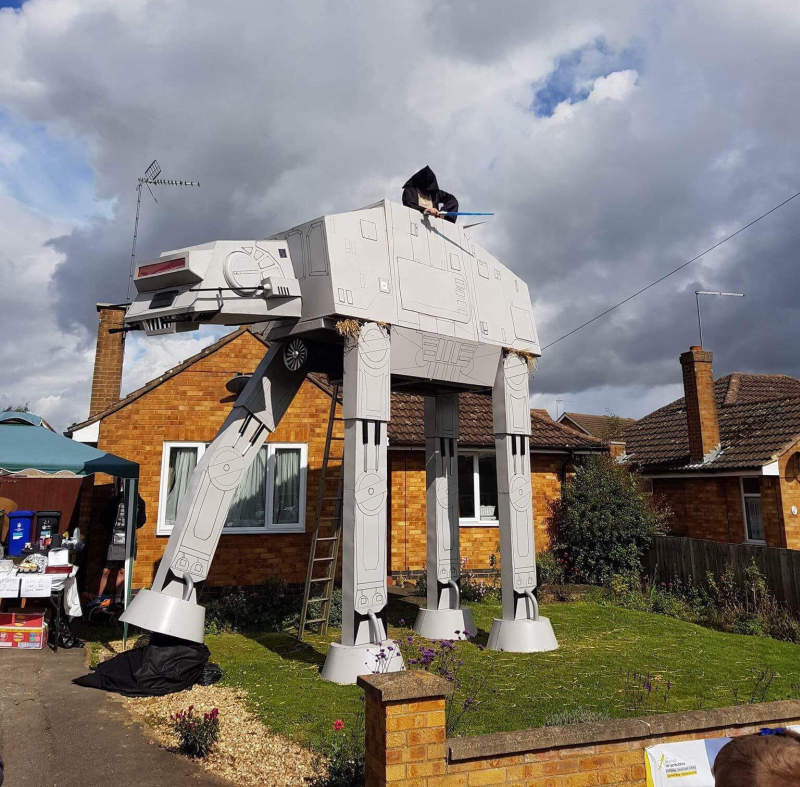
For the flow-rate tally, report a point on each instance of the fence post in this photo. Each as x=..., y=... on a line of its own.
x=405, y=726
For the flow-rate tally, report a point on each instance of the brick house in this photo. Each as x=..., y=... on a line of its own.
x=726, y=456
x=166, y=424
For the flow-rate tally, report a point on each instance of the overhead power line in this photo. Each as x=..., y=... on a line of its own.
x=673, y=271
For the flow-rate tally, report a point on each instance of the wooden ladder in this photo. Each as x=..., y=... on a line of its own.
x=327, y=535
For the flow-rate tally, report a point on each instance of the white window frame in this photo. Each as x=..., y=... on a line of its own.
x=476, y=521
x=747, y=538
x=164, y=529
x=269, y=526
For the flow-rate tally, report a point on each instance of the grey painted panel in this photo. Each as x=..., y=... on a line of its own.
x=431, y=356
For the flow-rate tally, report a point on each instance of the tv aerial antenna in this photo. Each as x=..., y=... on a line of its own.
x=698, y=293
x=150, y=178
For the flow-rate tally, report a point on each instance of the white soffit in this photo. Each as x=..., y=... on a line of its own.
x=88, y=434
x=770, y=469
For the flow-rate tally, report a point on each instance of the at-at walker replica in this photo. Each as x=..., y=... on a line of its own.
x=433, y=313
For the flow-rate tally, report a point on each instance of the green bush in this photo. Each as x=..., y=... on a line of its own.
x=604, y=523
x=273, y=606
x=549, y=569
x=721, y=602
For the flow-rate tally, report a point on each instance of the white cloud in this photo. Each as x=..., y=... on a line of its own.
x=616, y=86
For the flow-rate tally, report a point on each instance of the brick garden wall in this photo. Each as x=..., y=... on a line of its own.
x=406, y=742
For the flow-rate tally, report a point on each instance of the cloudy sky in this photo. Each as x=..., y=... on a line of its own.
x=613, y=141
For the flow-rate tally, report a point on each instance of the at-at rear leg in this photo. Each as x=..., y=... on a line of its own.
x=443, y=618
x=521, y=629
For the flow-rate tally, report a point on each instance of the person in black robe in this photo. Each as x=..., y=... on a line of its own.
x=114, y=519
x=422, y=192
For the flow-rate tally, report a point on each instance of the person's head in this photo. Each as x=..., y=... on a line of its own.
x=770, y=758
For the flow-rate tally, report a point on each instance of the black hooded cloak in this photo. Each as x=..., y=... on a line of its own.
x=424, y=183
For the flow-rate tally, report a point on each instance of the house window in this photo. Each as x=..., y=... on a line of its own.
x=178, y=461
x=477, y=488
x=271, y=497
x=754, y=523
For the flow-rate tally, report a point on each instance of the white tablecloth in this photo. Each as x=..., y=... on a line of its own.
x=65, y=582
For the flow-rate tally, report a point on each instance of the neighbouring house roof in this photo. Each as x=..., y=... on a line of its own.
x=406, y=426
x=759, y=418
x=154, y=383
x=475, y=425
x=605, y=427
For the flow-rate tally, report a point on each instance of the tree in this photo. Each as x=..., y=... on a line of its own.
x=604, y=523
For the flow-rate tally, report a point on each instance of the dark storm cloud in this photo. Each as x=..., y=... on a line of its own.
x=286, y=111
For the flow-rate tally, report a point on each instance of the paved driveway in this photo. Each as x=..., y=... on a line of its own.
x=55, y=733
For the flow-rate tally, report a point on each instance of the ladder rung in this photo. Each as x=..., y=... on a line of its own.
x=319, y=598
x=322, y=559
x=314, y=620
x=327, y=538
x=320, y=579
x=334, y=437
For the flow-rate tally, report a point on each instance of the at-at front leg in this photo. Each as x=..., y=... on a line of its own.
x=443, y=618
x=521, y=629
x=365, y=409
x=170, y=606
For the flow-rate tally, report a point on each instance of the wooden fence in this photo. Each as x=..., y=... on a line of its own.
x=690, y=560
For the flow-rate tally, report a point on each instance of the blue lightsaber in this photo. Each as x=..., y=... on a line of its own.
x=462, y=213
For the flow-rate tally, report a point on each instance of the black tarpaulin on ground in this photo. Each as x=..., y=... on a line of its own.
x=163, y=666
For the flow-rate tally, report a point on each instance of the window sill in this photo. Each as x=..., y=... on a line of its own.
x=478, y=523
x=759, y=542
x=263, y=531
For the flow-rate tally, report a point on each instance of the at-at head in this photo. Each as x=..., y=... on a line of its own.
x=222, y=283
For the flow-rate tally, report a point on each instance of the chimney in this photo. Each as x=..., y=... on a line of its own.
x=107, y=379
x=701, y=406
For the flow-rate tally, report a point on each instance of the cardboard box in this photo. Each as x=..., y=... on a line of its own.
x=22, y=630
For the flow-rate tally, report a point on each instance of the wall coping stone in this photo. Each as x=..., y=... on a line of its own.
x=613, y=730
x=405, y=686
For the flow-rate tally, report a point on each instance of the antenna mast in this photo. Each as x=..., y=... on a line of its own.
x=698, y=293
x=150, y=178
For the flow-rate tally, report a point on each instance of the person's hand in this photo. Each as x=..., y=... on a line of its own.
x=432, y=212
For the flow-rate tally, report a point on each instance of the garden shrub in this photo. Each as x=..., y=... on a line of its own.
x=721, y=602
x=335, y=615
x=344, y=755
x=196, y=736
x=273, y=606
x=604, y=523
x=443, y=658
x=549, y=568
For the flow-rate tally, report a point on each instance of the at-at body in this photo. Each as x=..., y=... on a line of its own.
x=437, y=314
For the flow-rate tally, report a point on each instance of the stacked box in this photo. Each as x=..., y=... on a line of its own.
x=22, y=630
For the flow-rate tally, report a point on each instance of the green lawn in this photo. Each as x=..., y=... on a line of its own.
x=601, y=648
